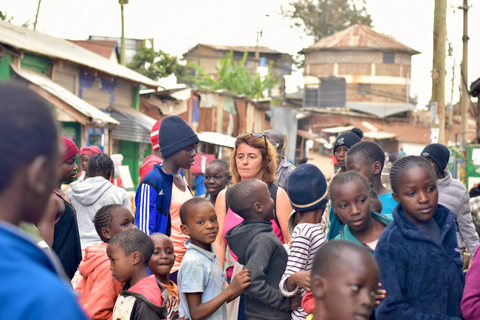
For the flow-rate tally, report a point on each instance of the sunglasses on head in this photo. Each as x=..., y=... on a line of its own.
x=258, y=135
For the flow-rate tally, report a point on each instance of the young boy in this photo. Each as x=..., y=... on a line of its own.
x=344, y=281
x=308, y=194
x=201, y=281
x=260, y=251
x=368, y=158
x=453, y=195
x=142, y=296
x=160, y=265
x=30, y=285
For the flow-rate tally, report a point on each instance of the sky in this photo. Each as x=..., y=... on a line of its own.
x=178, y=25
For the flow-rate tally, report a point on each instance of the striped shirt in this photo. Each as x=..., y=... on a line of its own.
x=307, y=238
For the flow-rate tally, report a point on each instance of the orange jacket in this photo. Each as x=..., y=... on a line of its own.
x=98, y=289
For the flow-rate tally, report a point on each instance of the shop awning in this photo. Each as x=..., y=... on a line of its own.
x=218, y=139
x=134, y=125
x=337, y=129
x=379, y=135
x=64, y=100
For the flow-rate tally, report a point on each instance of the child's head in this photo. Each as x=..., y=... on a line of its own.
x=344, y=281
x=437, y=155
x=368, y=158
x=351, y=200
x=307, y=189
x=163, y=255
x=29, y=151
x=85, y=154
x=342, y=144
x=129, y=252
x=177, y=141
x=251, y=200
x=101, y=165
x=217, y=176
x=414, y=187
x=199, y=222
x=68, y=167
x=111, y=220
x=377, y=205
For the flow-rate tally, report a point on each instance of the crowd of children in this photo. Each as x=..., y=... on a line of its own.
x=392, y=254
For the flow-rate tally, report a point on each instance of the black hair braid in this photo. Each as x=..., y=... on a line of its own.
x=101, y=165
x=103, y=218
x=405, y=163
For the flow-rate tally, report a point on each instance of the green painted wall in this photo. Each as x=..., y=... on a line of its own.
x=5, y=70
x=136, y=97
x=36, y=63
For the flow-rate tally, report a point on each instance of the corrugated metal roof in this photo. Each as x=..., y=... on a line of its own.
x=380, y=109
x=134, y=125
x=42, y=44
x=102, y=47
x=359, y=37
x=216, y=138
x=261, y=49
x=98, y=117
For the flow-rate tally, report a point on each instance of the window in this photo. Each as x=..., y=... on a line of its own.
x=389, y=57
x=363, y=90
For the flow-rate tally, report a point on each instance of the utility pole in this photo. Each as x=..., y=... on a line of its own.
x=450, y=109
x=437, y=121
x=464, y=98
x=122, y=38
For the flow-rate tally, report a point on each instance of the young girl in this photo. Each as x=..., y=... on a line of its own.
x=98, y=289
x=420, y=267
x=59, y=226
x=164, y=189
x=217, y=176
x=352, y=203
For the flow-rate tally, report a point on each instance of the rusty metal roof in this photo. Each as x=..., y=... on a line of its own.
x=359, y=37
x=105, y=48
x=45, y=45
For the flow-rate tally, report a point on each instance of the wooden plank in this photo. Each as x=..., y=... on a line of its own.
x=219, y=114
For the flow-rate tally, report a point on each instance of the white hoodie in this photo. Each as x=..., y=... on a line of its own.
x=87, y=197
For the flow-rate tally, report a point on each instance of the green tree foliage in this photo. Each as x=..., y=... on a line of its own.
x=233, y=77
x=322, y=18
x=156, y=64
x=5, y=17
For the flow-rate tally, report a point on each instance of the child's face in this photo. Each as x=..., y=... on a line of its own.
x=185, y=157
x=215, y=179
x=202, y=225
x=120, y=264
x=352, y=203
x=68, y=169
x=340, y=154
x=349, y=289
x=356, y=163
x=84, y=162
x=163, y=255
x=266, y=202
x=417, y=194
x=122, y=220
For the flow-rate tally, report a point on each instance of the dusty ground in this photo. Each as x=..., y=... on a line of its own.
x=324, y=163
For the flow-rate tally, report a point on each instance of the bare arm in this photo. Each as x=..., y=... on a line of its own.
x=219, y=244
x=199, y=310
x=46, y=225
x=283, y=210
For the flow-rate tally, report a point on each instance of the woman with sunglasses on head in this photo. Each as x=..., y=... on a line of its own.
x=253, y=157
x=164, y=189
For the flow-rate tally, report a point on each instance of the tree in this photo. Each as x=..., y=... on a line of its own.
x=321, y=18
x=4, y=17
x=234, y=78
x=156, y=64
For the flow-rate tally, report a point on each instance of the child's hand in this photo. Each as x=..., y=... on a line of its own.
x=301, y=279
x=380, y=294
x=240, y=282
x=296, y=301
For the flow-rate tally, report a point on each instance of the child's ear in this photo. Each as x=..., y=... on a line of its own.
x=395, y=196
x=136, y=257
x=319, y=286
x=377, y=167
x=257, y=207
x=106, y=233
x=184, y=229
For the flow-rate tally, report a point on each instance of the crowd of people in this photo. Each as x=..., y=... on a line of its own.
x=270, y=241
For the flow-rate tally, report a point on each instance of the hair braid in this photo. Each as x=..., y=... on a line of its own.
x=101, y=165
x=103, y=218
x=405, y=163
